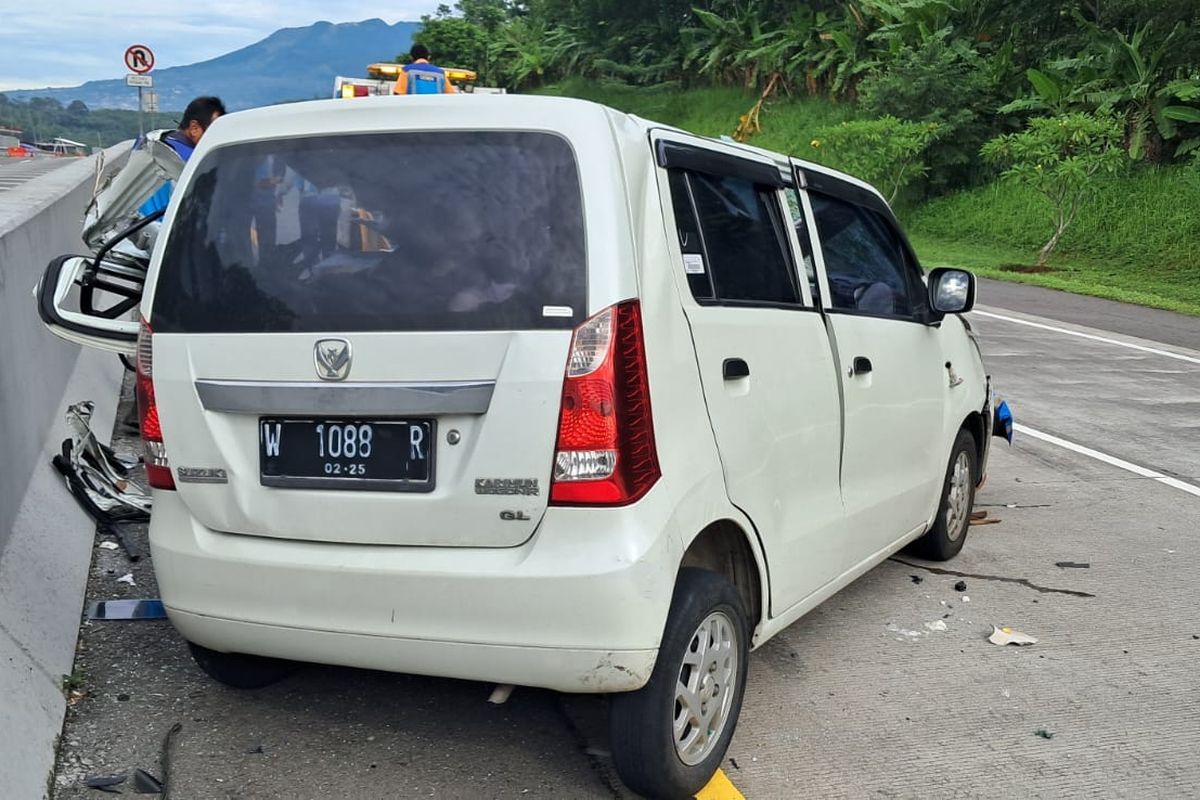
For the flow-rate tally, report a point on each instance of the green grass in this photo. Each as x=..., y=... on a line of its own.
x=1081, y=276
x=1138, y=241
x=788, y=123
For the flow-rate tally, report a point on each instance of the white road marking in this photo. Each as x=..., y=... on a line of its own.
x=1091, y=336
x=1174, y=483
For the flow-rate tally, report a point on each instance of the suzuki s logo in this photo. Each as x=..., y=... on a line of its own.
x=333, y=359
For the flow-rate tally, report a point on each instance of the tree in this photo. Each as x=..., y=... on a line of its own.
x=1059, y=158
x=943, y=80
x=885, y=152
x=1136, y=79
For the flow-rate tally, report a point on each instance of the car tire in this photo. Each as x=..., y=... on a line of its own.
x=239, y=670
x=949, y=531
x=649, y=756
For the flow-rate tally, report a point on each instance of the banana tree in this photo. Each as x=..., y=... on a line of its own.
x=1135, y=83
x=720, y=46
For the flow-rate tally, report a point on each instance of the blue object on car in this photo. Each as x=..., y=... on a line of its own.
x=1002, y=423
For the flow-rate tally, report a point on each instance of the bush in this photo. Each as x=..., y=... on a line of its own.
x=885, y=152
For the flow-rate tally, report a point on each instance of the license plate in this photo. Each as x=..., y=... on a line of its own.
x=394, y=455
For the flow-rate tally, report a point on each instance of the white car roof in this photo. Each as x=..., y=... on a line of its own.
x=456, y=112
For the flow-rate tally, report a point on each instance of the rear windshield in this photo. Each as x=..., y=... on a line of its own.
x=378, y=232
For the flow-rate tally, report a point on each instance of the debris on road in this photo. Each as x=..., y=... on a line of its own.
x=164, y=759
x=981, y=518
x=1072, y=565
x=145, y=783
x=936, y=625
x=1014, y=505
x=1001, y=578
x=105, y=783
x=95, y=475
x=916, y=578
x=127, y=578
x=894, y=628
x=151, y=608
x=106, y=545
x=1003, y=636
x=1042, y=732
x=961, y=586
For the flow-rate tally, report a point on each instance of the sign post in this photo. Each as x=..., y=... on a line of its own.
x=140, y=60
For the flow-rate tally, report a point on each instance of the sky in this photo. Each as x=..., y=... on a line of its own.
x=68, y=42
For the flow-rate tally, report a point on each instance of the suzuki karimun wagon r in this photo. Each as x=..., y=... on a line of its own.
x=529, y=391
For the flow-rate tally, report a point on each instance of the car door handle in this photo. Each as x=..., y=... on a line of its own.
x=862, y=366
x=735, y=368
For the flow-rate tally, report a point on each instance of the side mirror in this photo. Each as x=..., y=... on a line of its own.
x=951, y=291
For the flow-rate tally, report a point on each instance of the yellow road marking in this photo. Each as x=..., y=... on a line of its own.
x=720, y=788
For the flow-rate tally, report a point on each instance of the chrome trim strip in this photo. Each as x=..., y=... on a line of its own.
x=335, y=399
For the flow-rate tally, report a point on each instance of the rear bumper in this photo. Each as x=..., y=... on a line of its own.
x=580, y=607
x=558, y=668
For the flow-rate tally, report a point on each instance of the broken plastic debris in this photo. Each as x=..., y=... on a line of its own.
x=1072, y=565
x=145, y=783
x=127, y=609
x=961, y=586
x=109, y=545
x=1042, y=732
x=966, y=599
x=1003, y=636
x=916, y=578
x=127, y=578
x=936, y=625
x=894, y=628
x=105, y=783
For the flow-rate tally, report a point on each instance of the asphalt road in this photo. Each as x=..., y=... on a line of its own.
x=863, y=697
x=16, y=171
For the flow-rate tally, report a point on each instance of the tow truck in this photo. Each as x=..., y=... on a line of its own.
x=381, y=77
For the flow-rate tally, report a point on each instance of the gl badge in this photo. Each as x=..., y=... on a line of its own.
x=333, y=359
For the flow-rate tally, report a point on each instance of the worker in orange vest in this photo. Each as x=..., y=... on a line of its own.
x=422, y=77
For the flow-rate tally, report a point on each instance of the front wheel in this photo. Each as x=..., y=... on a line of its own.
x=669, y=737
x=949, y=531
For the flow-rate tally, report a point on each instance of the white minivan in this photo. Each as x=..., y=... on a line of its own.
x=530, y=391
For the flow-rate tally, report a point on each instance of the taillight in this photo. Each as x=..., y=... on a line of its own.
x=605, y=453
x=158, y=469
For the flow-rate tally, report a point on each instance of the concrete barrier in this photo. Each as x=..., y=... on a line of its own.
x=45, y=539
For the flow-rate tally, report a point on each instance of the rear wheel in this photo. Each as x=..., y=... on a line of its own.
x=669, y=737
x=949, y=531
x=239, y=670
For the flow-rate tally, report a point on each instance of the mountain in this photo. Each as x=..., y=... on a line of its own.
x=290, y=64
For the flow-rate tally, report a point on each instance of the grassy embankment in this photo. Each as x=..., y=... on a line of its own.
x=1138, y=241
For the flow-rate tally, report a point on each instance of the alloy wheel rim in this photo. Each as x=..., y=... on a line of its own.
x=958, y=498
x=704, y=688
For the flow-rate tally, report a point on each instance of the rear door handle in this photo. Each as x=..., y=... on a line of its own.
x=862, y=366
x=735, y=368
